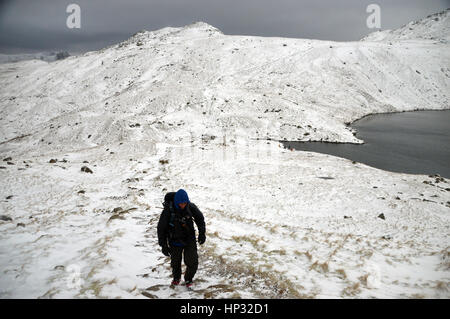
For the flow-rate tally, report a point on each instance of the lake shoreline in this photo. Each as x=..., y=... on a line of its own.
x=410, y=144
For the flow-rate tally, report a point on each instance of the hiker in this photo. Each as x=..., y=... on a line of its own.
x=176, y=234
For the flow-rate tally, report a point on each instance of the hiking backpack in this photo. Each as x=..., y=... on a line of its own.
x=179, y=226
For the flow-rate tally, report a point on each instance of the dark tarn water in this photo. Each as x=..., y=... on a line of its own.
x=410, y=142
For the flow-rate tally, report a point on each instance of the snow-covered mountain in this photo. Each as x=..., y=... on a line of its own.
x=90, y=145
x=43, y=56
x=435, y=27
x=182, y=82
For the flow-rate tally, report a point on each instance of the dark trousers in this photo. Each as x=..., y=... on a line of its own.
x=190, y=260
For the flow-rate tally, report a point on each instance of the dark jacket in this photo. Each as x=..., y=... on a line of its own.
x=172, y=228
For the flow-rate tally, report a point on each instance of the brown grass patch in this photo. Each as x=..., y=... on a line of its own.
x=352, y=290
x=341, y=273
x=319, y=267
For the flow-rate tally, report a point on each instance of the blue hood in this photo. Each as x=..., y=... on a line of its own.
x=180, y=197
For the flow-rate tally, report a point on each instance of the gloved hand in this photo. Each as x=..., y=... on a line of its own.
x=201, y=239
x=166, y=251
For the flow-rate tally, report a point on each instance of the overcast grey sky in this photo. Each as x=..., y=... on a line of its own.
x=40, y=25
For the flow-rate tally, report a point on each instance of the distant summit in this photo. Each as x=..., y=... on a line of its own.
x=195, y=29
x=43, y=56
x=203, y=26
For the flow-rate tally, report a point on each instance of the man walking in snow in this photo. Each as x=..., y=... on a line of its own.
x=176, y=234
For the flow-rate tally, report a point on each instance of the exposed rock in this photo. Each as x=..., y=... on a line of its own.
x=117, y=210
x=382, y=216
x=86, y=169
x=5, y=218
x=439, y=179
x=62, y=55
x=149, y=295
x=117, y=216
x=118, y=213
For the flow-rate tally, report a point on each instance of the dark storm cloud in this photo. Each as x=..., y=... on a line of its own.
x=27, y=25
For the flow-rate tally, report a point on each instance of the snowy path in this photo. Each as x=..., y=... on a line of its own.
x=315, y=239
x=280, y=224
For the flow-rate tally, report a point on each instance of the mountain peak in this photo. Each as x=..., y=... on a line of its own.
x=202, y=26
x=195, y=27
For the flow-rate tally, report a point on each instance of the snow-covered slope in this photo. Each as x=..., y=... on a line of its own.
x=180, y=108
x=435, y=27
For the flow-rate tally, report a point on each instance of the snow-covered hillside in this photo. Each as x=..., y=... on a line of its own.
x=435, y=27
x=183, y=108
x=43, y=56
x=177, y=83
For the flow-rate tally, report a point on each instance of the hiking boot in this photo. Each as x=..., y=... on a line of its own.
x=189, y=283
x=175, y=282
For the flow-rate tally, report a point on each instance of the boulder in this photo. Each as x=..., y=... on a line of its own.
x=86, y=170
